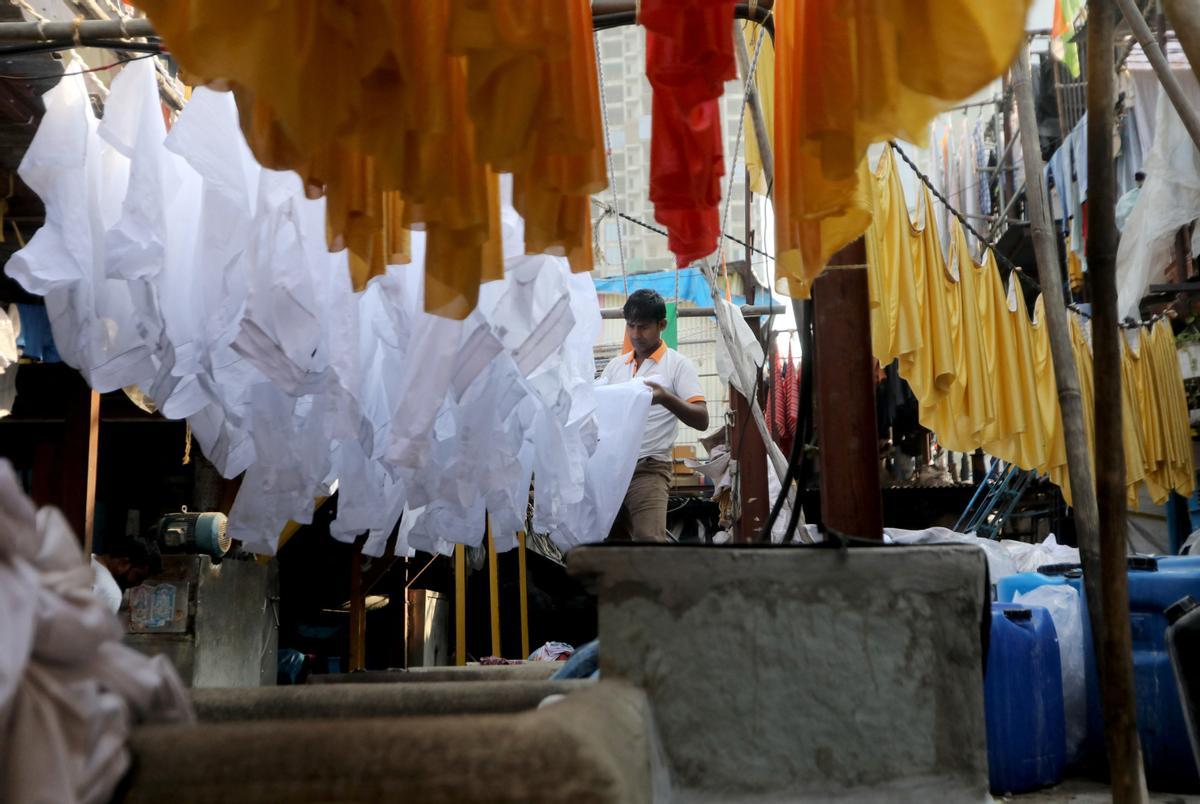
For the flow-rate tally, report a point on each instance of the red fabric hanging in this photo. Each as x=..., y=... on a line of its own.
x=689, y=57
x=784, y=401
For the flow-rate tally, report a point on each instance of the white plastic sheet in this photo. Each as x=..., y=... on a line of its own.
x=1063, y=604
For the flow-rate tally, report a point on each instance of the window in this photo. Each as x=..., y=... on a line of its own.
x=612, y=47
x=616, y=114
x=644, y=127
x=612, y=255
x=616, y=138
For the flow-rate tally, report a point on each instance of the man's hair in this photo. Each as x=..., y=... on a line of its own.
x=1139, y=176
x=645, y=305
x=139, y=551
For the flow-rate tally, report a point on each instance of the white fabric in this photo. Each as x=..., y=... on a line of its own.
x=676, y=374
x=1169, y=200
x=175, y=263
x=104, y=586
x=10, y=326
x=70, y=692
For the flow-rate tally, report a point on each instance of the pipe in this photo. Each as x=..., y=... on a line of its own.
x=1137, y=23
x=1116, y=642
x=94, y=29
x=761, y=135
x=747, y=310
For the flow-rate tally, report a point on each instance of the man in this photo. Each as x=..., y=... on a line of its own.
x=1127, y=202
x=677, y=397
x=124, y=566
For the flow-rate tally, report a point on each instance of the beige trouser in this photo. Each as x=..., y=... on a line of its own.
x=643, y=515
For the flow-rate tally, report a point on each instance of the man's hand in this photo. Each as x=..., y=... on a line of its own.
x=660, y=393
x=693, y=414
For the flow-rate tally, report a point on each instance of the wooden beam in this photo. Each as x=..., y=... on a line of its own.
x=851, y=502
x=358, y=610
x=460, y=605
x=1116, y=643
x=523, y=584
x=493, y=589
x=80, y=449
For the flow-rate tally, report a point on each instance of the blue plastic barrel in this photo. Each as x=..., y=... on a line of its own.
x=1023, y=701
x=1154, y=584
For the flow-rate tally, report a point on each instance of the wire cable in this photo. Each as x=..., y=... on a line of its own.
x=990, y=245
x=50, y=76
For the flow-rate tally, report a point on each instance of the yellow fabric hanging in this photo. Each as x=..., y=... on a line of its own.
x=851, y=73
x=980, y=365
x=401, y=112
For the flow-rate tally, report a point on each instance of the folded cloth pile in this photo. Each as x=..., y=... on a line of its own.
x=70, y=692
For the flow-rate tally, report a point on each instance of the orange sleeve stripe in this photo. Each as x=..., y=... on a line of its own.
x=691, y=399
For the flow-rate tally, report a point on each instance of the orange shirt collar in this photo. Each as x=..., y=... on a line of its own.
x=656, y=355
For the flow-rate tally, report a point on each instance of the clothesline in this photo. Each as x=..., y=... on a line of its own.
x=608, y=209
x=1128, y=323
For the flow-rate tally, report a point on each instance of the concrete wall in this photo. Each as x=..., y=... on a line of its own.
x=802, y=674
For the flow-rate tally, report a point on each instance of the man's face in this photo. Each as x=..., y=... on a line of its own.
x=645, y=335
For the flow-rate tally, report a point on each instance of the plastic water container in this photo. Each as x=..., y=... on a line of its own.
x=1183, y=643
x=1023, y=701
x=1154, y=584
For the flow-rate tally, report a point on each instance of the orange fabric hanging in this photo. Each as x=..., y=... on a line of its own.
x=401, y=113
x=852, y=72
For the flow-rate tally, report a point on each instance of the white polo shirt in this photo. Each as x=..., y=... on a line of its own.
x=672, y=371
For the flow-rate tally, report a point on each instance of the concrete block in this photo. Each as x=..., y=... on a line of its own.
x=594, y=746
x=376, y=700
x=530, y=671
x=802, y=674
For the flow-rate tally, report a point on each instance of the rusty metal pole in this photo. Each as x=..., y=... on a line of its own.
x=1116, y=644
x=851, y=503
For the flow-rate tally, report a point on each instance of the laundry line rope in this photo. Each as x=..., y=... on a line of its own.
x=990, y=245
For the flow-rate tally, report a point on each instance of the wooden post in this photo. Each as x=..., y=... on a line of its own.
x=1079, y=459
x=748, y=448
x=523, y=583
x=1116, y=643
x=358, y=610
x=460, y=605
x=81, y=440
x=845, y=397
x=1185, y=19
x=493, y=588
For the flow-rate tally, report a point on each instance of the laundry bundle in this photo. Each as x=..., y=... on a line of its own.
x=70, y=692
x=177, y=264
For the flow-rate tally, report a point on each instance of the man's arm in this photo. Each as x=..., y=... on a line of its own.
x=693, y=414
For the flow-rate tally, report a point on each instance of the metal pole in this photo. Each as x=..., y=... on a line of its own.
x=1187, y=113
x=1116, y=643
x=84, y=29
x=761, y=134
x=358, y=611
x=747, y=310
